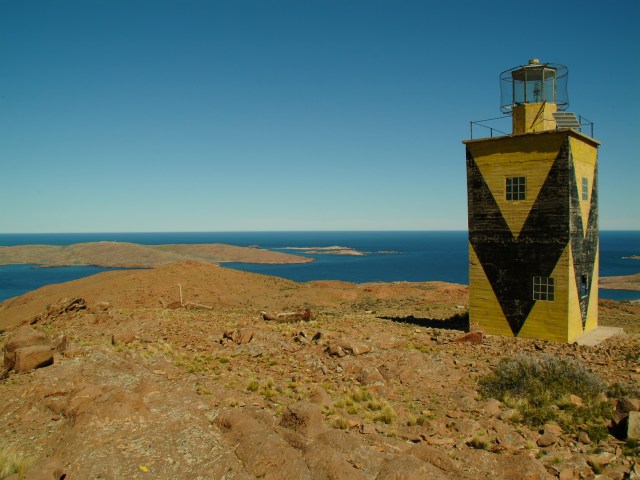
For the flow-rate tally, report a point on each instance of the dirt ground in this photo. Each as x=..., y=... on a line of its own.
x=375, y=386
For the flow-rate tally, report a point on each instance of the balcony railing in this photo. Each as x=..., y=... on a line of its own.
x=500, y=126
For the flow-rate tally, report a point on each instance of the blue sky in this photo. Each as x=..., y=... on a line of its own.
x=131, y=115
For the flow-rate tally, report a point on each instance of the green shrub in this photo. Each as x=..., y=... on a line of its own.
x=619, y=390
x=539, y=387
x=540, y=379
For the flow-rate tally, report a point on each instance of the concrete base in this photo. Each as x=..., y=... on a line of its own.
x=598, y=335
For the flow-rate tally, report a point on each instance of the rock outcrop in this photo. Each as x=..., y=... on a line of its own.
x=27, y=350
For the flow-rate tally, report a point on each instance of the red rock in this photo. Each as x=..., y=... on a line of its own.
x=492, y=406
x=61, y=344
x=633, y=426
x=553, y=429
x=343, y=347
x=289, y=317
x=320, y=396
x=24, y=337
x=627, y=404
x=547, y=439
x=370, y=376
x=324, y=462
x=504, y=467
x=30, y=358
x=239, y=336
x=466, y=427
x=475, y=338
x=335, y=350
x=102, y=306
x=583, y=437
x=367, y=429
x=566, y=474
x=123, y=338
x=304, y=418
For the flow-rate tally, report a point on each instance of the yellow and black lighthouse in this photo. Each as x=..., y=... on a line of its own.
x=533, y=214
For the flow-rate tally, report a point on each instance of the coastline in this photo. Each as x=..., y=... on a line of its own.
x=106, y=254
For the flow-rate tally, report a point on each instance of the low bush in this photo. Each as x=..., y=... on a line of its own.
x=540, y=386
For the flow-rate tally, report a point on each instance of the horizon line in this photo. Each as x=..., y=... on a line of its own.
x=267, y=231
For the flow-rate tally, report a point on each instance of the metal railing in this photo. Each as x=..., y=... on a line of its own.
x=492, y=130
x=585, y=124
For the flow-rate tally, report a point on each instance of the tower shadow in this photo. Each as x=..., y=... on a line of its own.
x=458, y=321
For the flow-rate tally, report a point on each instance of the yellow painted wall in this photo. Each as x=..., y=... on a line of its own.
x=532, y=156
x=528, y=156
x=592, y=313
x=575, y=317
x=484, y=308
x=534, y=117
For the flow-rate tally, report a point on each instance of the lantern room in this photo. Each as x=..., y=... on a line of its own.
x=532, y=94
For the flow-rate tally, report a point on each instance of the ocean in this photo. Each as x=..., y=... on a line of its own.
x=393, y=256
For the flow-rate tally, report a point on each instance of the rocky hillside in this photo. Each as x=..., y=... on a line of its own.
x=380, y=382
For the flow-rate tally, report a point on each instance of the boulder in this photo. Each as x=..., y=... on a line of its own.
x=412, y=468
x=626, y=404
x=46, y=469
x=466, y=426
x=566, y=474
x=263, y=453
x=633, y=426
x=491, y=407
x=474, y=338
x=123, y=338
x=102, y=306
x=505, y=467
x=370, y=376
x=30, y=358
x=24, y=337
x=289, y=317
x=547, y=439
x=342, y=347
x=239, y=335
x=325, y=463
x=64, y=305
x=435, y=457
x=319, y=396
x=304, y=418
x=61, y=343
x=553, y=428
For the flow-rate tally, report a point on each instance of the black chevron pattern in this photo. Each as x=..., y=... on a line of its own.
x=511, y=263
x=584, y=246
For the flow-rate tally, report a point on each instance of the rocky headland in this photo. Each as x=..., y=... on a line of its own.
x=193, y=370
x=623, y=282
x=132, y=255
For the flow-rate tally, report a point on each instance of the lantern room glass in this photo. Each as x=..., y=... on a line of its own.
x=534, y=85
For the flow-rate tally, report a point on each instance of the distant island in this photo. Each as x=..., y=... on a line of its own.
x=334, y=250
x=132, y=255
x=623, y=282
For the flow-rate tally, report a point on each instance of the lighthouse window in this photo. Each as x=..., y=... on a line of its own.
x=543, y=288
x=584, y=285
x=516, y=188
x=585, y=188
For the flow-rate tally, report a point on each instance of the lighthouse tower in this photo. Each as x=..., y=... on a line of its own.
x=533, y=214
